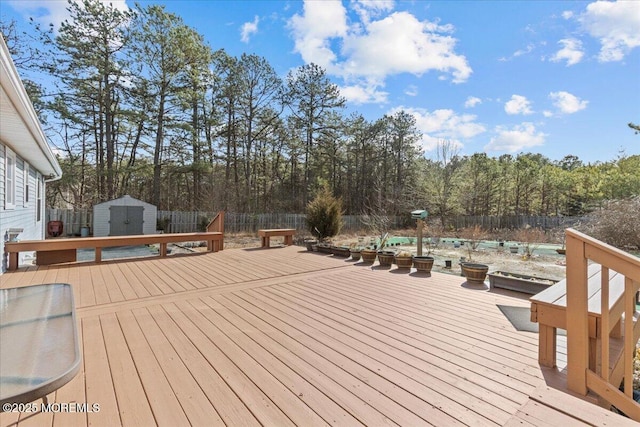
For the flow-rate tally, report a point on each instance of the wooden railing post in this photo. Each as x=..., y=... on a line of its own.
x=217, y=224
x=577, y=315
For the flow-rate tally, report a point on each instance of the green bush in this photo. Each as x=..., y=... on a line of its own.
x=324, y=215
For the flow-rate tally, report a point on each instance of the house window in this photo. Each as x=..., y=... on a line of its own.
x=10, y=179
x=25, y=182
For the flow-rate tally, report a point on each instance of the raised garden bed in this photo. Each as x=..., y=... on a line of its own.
x=519, y=282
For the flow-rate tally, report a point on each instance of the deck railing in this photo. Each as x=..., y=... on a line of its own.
x=615, y=363
x=217, y=224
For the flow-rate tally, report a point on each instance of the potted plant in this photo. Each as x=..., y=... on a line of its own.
x=403, y=259
x=475, y=273
x=310, y=243
x=324, y=247
x=385, y=258
x=341, y=251
x=368, y=255
x=423, y=263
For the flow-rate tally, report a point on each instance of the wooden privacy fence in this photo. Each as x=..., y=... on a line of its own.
x=513, y=221
x=72, y=220
x=190, y=222
x=239, y=222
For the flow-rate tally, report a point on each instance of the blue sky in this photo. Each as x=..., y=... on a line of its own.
x=549, y=77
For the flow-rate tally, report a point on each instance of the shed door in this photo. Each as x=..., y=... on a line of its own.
x=125, y=220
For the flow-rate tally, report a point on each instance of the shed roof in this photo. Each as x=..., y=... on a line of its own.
x=125, y=200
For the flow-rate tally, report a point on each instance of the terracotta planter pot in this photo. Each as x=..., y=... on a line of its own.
x=368, y=255
x=385, y=258
x=475, y=273
x=423, y=263
x=356, y=254
x=404, y=261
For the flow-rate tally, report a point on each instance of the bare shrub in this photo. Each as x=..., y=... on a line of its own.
x=618, y=223
x=473, y=237
x=531, y=238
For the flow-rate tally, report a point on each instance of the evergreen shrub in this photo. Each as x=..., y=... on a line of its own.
x=324, y=215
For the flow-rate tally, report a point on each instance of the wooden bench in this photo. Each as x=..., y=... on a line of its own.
x=267, y=234
x=64, y=250
x=548, y=309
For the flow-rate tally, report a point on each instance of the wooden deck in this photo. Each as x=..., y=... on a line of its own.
x=286, y=337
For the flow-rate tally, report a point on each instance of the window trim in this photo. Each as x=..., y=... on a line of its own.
x=39, y=191
x=26, y=180
x=10, y=168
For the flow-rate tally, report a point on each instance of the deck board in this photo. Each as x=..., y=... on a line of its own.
x=307, y=363
x=161, y=397
x=348, y=342
x=286, y=337
x=443, y=372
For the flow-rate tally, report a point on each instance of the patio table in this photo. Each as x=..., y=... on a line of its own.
x=39, y=349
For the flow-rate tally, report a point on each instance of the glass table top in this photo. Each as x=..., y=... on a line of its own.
x=39, y=350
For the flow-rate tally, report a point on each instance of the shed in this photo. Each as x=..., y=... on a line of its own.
x=124, y=216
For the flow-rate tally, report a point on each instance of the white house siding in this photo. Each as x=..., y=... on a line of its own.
x=22, y=215
x=101, y=215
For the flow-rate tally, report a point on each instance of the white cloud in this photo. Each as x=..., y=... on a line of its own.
x=400, y=43
x=567, y=14
x=443, y=124
x=517, y=138
x=377, y=44
x=518, y=104
x=54, y=12
x=313, y=30
x=571, y=52
x=248, y=29
x=362, y=94
x=368, y=8
x=615, y=24
x=520, y=52
x=567, y=103
x=411, y=90
x=472, y=101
